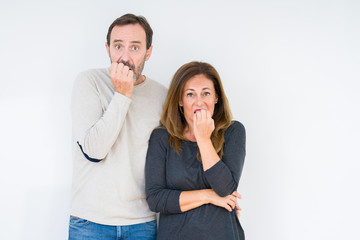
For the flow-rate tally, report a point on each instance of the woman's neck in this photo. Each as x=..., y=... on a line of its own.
x=189, y=133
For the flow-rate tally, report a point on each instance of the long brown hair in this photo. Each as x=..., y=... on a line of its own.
x=173, y=118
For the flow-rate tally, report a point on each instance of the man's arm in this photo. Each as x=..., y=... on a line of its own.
x=94, y=128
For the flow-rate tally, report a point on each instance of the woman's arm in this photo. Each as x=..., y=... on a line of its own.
x=194, y=199
x=170, y=201
x=159, y=197
x=203, y=128
x=223, y=174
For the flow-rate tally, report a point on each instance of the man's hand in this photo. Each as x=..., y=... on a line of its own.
x=122, y=78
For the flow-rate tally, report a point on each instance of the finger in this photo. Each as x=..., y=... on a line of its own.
x=131, y=75
x=238, y=208
x=119, y=68
x=232, y=198
x=125, y=71
x=195, y=118
x=203, y=114
x=227, y=207
x=208, y=114
x=112, y=67
x=234, y=201
x=199, y=114
x=236, y=194
x=231, y=202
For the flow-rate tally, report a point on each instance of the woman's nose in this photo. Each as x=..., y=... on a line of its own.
x=199, y=101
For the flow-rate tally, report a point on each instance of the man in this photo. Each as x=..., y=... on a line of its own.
x=114, y=111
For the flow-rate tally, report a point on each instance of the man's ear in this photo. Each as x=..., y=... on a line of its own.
x=148, y=53
x=107, y=48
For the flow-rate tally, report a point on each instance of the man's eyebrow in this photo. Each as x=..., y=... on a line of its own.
x=119, y=40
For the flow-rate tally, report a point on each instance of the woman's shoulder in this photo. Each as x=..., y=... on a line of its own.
x=159, y=133
x=236, y=127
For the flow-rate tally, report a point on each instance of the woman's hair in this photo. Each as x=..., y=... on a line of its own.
x=173, y=118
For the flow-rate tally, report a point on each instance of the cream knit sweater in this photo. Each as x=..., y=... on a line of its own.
x=110, y=141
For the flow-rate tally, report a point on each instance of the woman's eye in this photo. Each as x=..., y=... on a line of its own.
x=189, y=94
x=206, y=94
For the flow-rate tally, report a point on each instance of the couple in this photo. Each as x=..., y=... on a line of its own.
x=188, y=171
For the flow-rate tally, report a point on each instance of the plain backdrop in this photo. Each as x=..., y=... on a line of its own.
x=290, y=70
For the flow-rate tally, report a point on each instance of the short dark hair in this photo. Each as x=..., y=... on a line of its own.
x=132, y=19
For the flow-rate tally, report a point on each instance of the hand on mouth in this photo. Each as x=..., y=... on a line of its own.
x=197, y=109
x=131, y=67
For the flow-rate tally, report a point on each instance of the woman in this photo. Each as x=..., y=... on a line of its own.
x=195, y=159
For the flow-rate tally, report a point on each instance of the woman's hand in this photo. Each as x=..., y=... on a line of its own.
x=228, y=202
x=203, y=125
x=237, y=207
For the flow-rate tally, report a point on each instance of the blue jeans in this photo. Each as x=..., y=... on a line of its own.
x=81, y=229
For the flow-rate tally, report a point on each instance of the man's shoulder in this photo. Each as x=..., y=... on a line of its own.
x=92, y=77
x=156, y=84
x=94, y=73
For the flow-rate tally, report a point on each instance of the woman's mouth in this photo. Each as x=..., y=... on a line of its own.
x=198, y=109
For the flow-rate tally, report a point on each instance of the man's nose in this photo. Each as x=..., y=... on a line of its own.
x=125, y=56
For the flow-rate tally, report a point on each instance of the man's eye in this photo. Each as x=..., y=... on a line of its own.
x=135, y=48
x=117, y=46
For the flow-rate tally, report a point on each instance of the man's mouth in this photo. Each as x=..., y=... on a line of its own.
x=131, y=67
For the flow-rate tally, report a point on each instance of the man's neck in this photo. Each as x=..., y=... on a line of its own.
x=140, y=80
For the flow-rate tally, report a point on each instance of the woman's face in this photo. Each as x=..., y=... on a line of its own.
x=198, y=93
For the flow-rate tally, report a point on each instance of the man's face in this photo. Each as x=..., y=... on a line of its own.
x=128, y=45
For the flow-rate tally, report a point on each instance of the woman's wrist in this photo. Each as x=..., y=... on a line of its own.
x=204, y=142
x=207, y=196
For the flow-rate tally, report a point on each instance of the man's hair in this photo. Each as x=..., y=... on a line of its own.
x=173, y=119
x=132, y=19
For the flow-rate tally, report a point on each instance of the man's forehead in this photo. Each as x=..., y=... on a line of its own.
x=128, y=33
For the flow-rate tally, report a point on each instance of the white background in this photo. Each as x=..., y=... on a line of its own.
x=290, y=70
